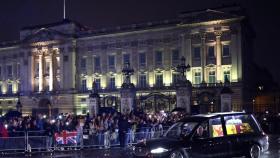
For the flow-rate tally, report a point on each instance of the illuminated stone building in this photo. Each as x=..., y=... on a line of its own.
x=53, y=66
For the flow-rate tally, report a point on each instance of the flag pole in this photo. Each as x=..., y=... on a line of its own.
x=64, y=12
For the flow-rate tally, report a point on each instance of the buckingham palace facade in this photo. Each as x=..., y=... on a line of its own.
x=51, y=67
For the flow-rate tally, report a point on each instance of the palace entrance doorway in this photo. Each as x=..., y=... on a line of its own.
x=45, y=108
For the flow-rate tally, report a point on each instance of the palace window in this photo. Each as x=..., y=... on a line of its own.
x=142, y=59
x=159, y=80
x=98, y=83
x=226, y=52
x=126, y=59
x=84, y=85
x=37, y=69
x=143, y=81
x=9, y=70
x=175, y=78
x=83, y=63
x=0, y=72
x=158, y=59
x=227, y=75
x=197, y=78
x=211, y=52
x=112, y=83
x=47, y=68
x=212, y=77
x=196, y=52
x=111, y=61
x=10, y=88
x=96, y=63
x=175, y=56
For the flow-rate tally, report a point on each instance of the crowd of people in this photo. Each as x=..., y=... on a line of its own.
x=115, y=127
x=106, y=129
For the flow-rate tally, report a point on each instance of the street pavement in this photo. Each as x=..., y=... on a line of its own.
x=273, y=152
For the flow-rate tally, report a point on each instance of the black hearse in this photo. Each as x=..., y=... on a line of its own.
x=210, y=135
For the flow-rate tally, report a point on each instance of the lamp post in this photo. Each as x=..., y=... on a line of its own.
x=127, y=72
x=128, y=92
x=183, y=87
x=182, y=68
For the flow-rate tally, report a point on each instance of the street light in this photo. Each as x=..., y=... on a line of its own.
x=182, y=68
x=127, y=72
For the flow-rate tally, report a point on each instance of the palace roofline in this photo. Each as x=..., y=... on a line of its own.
x=64, y=21
x=184, y=18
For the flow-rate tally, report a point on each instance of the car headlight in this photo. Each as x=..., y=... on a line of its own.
x=158, y=150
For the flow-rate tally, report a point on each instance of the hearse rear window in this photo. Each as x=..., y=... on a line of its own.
x=216, y=128
x=240, y=124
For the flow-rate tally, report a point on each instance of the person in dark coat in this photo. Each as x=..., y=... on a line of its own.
x=123, y=128
x=49, y=132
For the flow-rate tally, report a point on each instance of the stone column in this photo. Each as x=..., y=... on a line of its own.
x=61, y=67
x=29, y=83
x=55, y=68
x=183, y=44
x=219, y=55
x=51, y=76
x=234, y=57
x=41, y=77
x=188, y=54
x=203, y=56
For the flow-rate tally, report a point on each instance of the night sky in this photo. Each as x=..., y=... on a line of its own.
x=264, y=17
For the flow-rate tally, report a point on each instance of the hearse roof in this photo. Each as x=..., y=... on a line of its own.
x=203, y=117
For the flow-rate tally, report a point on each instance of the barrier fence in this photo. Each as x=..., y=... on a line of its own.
x=68, y=140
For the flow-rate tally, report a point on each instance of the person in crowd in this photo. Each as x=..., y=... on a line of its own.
x=123, y=128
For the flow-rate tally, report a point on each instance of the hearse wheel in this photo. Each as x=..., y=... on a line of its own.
x=178, y=154
x=254, y=151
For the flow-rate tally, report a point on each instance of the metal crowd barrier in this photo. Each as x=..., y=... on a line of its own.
x=36, y=140
x=15, y=144
x=97, y=139
x=67, y=140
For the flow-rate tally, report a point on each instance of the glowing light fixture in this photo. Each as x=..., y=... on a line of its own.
x=159, y=150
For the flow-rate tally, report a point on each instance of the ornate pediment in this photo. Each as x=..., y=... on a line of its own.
x=45, y=35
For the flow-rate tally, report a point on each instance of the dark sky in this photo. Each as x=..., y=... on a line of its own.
x=264, y=17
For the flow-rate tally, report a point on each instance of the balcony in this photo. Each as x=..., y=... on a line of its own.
x=112, y=68
x=206, y=85
x=211, y=61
